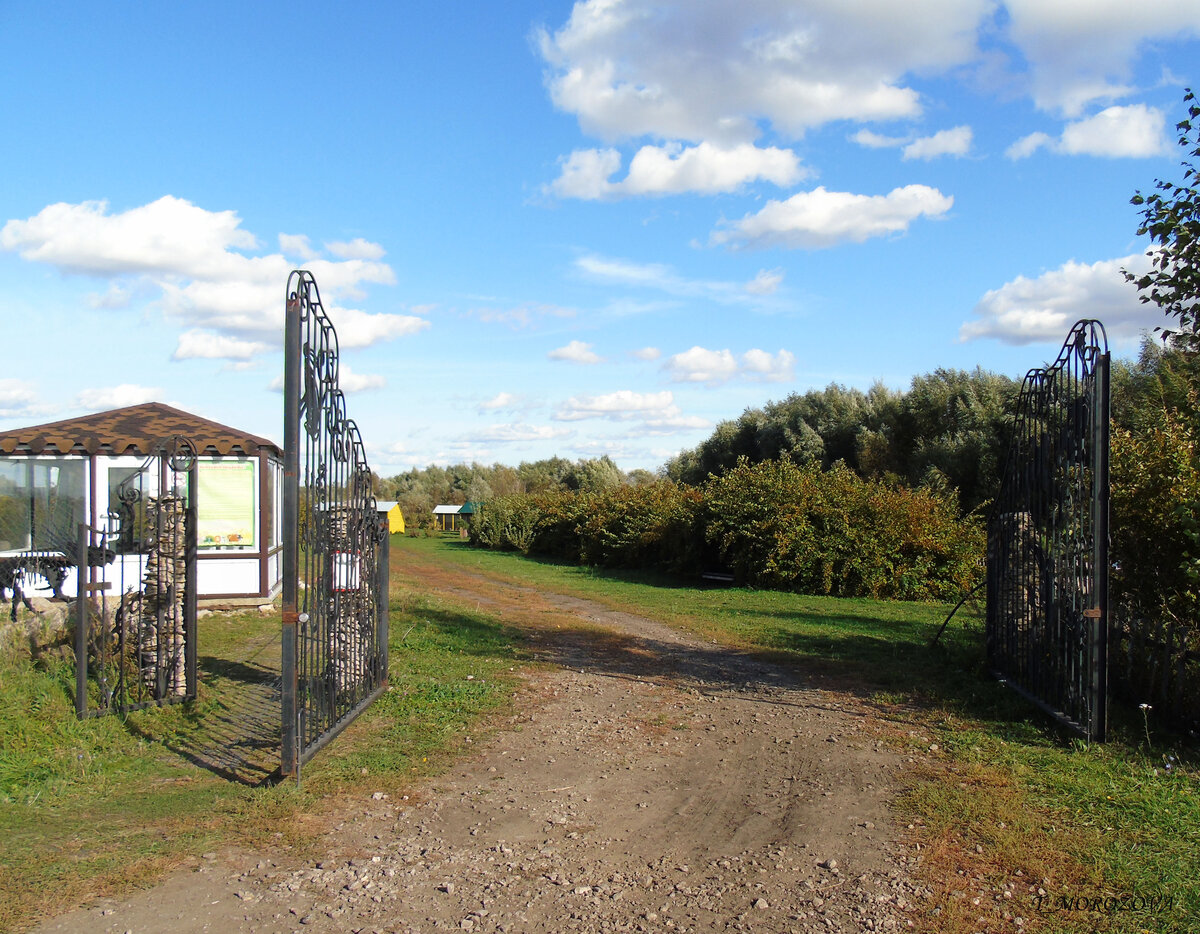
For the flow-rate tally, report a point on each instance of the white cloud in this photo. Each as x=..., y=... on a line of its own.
x=351, y=382
x=702, y=366
x=585, y=174
x=169, y=236
x=358, y=248
x=517, y=432
x=646, y=353
x=710, y=72
x=627, y=272
x=1044, y=308
x=207, y=345
x=1080, y=53
x=502, y=401
x=767, y=282
x=954, y=142
x=674, y=169
x=18, y=399
x=770, y=368
x=664, y=279
x=874, y=140
x=195, y=261
x=622, y=405
x=1026, y=146
x=575, y=352
x=297, y=245
x=714, y=367
x=819, y=218
x=1135, y=131
x=1131, y=131
x=521, y=316
x=727, y=74
x=117, y=397
x=359, y=329
x=117, y=295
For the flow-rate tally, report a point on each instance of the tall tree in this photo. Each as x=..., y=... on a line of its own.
x=1171, y=216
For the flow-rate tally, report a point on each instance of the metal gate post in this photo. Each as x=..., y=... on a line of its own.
x=290, y=760
x=1100, y=559
x=81, y=623
x=383, y=597
x=191, y=547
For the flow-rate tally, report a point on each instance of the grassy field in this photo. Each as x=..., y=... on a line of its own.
x=106, y=805
x=101, y=806
x=999, y=798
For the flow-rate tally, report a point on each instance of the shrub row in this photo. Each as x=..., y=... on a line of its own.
x=774, y=524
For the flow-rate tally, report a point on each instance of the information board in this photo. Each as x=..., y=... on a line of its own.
x=226, y=504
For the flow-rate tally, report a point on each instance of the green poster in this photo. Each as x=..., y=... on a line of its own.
x=225, y=503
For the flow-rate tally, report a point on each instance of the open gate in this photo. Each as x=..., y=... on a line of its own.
x=135, y=603
x=1047, y=552
x=334, y=552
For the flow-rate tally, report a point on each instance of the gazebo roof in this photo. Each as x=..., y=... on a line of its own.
x=135, y=429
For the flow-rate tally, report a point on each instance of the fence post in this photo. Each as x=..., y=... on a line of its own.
x=290, y=758
x=1100, y=557
x=81, y=624
x=383, y=596
x=190, y=634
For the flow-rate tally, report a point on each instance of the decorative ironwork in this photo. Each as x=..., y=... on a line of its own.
x=1047, y=560
x=135, y=642
x=334, y=554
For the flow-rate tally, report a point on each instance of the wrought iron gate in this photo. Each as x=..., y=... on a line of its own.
x=135, y=586
x=1047, y=559
x=334, y=554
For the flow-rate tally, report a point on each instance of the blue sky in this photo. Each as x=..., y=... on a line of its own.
x=576, y=229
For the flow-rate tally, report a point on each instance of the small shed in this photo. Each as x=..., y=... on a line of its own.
x=56, y=475
x=445, y=517
x=450, y=518
x=391, y=510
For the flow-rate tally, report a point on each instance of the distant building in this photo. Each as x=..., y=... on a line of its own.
x=395, y=517
x=449, y=518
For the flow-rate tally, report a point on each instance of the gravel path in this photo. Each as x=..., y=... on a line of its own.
x=653, y=782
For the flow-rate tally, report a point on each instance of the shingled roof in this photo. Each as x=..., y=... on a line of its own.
x=135, y=429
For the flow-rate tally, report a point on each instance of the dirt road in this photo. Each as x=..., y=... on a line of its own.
x=652, y=782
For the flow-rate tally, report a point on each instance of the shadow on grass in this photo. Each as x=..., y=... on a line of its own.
x=234, y=728
x=657, y=579
x=455, y=631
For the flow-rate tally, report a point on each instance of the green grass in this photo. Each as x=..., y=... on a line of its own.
x=1101, y=820
x=95, y=807
x=100, y=806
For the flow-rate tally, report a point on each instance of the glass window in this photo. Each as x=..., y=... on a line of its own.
x=129, y=488
x=41, y=503
x=15, y=504
x=269, y=512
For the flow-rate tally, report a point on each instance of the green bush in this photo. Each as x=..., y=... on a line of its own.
x=504, y=523
x=774, y=524
x=1155, y=479
x=649, y=526
x=784, y=526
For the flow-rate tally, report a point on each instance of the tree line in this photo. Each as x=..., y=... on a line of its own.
x=420, y=489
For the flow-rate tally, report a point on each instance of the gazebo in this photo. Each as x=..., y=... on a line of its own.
x=57, y=475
